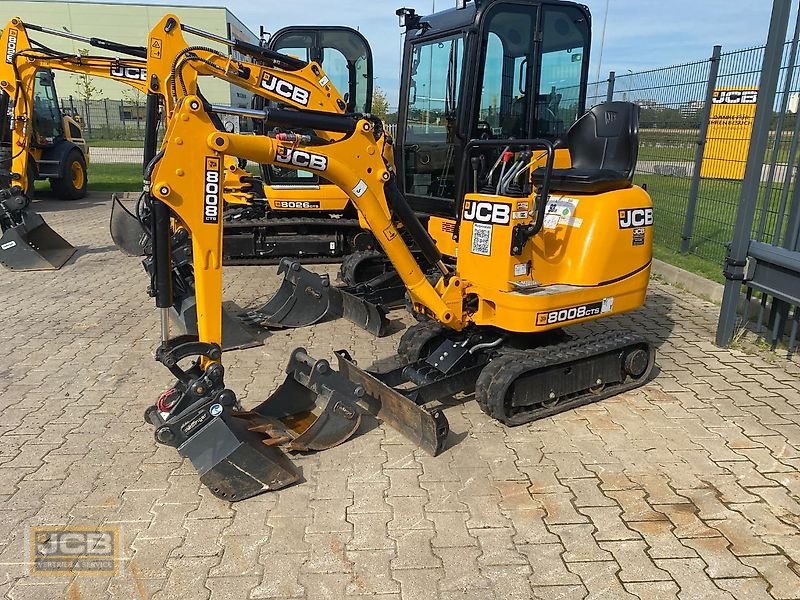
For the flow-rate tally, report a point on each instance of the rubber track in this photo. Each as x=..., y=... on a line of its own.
x=499, y=375
x=415, y=337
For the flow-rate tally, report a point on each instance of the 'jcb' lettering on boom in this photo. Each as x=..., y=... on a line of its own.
x=134, y=73
x=635, y=217
x=487, y=212
x=285, y=89
x=211, y=191
x=301, y=158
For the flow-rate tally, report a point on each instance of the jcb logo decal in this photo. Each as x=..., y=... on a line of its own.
x=285, y=89
x=487, y=212
x=211, y=192
x=735, y=97
x=133, y=73
x=635, y=217
x=301, y=158
x=11, y=48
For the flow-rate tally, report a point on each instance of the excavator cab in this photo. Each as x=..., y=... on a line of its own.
x=316, y=217
x=488, y=71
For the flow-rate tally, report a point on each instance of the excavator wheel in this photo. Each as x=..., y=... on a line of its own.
x=420, y=339
x=73, y=181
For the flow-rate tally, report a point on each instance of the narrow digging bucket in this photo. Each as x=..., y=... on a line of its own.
x=34, y=246
x=313, y=409
x=304, y=298
x=126, y=231
x=234, y=463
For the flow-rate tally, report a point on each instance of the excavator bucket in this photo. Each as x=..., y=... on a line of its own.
x=305, y=298
x=313, y=409
x=234, y=463
x=235, y=335
x=33, y=246
x=126, y=231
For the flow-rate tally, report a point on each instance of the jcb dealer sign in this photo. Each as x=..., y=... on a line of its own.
x=732, y=114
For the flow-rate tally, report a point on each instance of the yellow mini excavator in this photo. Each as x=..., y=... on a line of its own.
x=540, y=243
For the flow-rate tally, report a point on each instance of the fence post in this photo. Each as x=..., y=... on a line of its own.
x=108, y=126
x=610, y=88
x=694, y=187
x=766, y=201
x=737, y=252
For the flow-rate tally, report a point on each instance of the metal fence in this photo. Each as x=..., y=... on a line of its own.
x=762, y=264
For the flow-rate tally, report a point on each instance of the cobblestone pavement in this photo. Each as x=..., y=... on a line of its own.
x=688, y=487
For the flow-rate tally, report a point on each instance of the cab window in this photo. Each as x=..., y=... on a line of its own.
x=565, y=35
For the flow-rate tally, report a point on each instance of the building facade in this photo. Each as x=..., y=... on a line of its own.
x=127, y=24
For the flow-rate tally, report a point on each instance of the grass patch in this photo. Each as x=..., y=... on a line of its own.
x=108, y=178
x=114, y=143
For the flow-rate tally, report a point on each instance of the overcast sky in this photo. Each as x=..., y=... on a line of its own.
x=639, y=34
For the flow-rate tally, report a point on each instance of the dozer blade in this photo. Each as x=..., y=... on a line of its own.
x=428, y=429
x=313, y=409
x=33, y=246
x=303, y=299
x=126, y=231
x=235, y=335
x=367, y=315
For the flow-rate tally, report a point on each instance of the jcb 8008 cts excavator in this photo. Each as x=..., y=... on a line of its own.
x=538, y=246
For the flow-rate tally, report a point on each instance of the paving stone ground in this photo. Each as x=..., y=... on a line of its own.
x=686, y=488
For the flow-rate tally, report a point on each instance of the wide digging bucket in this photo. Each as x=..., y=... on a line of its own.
x=313, y=409
x=33, y=246
x=303, y=299
x=235, y=335
x=126, y=230
x=306, y=298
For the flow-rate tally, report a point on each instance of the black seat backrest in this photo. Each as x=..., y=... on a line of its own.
x=606, y=137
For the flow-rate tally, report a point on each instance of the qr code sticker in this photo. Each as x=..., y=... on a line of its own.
x=481, y=239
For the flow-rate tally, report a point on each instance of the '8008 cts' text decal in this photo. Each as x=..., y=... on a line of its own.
x=573, y=313
x=211, y=190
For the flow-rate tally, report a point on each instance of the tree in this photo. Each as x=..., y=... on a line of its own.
x=87, y=90
x=380, y=105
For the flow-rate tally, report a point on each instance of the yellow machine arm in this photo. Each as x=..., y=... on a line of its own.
x=175, y=65
x=18, y=78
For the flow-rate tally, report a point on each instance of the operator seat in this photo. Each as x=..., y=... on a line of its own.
x=603, y=146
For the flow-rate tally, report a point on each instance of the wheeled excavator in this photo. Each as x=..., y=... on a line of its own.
x=40, y=142
x=538, y=247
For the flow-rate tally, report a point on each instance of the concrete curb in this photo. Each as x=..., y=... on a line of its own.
x=694, y=284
